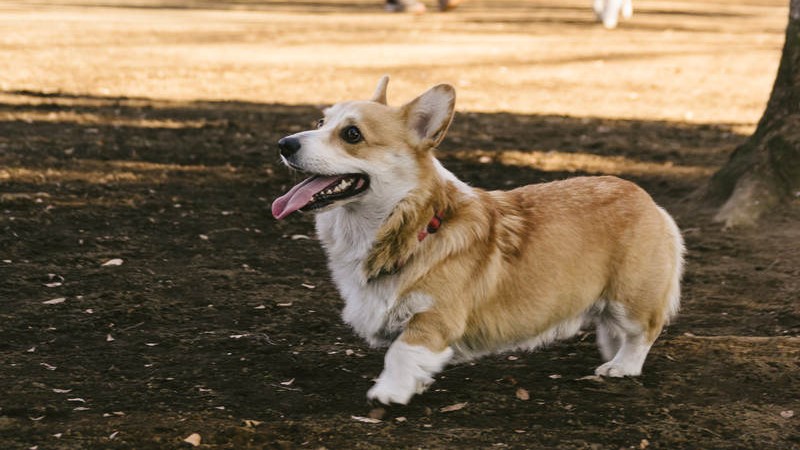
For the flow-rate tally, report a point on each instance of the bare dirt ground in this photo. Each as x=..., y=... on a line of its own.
x=145, y=131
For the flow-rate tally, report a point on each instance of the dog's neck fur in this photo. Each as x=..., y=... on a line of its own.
x=397, y=238
x=387, y=235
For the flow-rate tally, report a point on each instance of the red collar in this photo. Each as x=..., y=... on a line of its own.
x=433, y=226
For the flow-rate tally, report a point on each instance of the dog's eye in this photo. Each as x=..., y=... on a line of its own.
x=320, y=123
x=352, y=135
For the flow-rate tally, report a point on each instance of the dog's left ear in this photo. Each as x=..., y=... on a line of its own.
x=380, y=92
x=429, y=115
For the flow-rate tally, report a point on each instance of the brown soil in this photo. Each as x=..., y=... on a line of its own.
x=145, y=131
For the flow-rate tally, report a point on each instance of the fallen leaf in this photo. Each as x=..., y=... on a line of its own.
x=76, y=399
x=81, y=408
x=203, y=237
x=296, y=237
x=113, y=262
x=523, y=394
x=48, y=366
x=52, y=285
x=260, y=307
x=597, y=378
x=287, y=383
x=349, y=352
x=284, y=305
x=194, y=439
x=58, y=435
x=788, y=414
x=644, y=444
x=109, y=338
x=113, y=435
x=308, y=286
x=454, y=407
x=513, y=358
x=55, y=301
x=365, y=419
x=400, y=419
x=554, y=376
x=62, y=391
x=252, y=423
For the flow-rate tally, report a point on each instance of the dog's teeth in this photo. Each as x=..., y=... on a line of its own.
x=341, y=186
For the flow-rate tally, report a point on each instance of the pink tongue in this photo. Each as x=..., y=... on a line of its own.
x=300, y=195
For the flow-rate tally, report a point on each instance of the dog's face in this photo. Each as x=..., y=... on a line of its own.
x=364, y=151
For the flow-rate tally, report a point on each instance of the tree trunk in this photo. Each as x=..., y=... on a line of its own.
x=765, y=170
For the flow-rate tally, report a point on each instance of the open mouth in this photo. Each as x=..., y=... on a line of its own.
x=319, y=191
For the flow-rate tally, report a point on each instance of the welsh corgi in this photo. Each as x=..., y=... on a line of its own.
x=442, y=272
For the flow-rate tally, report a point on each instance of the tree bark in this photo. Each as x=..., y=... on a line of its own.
x=765, y=171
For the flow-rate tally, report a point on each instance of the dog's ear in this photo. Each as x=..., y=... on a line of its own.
x=429, y=115
x=380, y=92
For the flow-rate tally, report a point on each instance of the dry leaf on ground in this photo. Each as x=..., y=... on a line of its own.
x=365, y=419
x=193, y=439
x=454, y=407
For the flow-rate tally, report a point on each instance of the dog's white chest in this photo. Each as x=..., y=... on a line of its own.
x=370, y=307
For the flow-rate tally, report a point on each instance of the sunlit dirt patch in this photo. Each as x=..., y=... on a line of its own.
x=555, y=161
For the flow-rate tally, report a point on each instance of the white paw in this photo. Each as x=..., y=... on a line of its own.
x=616, y=370
x=393, y=391
x=408, y=370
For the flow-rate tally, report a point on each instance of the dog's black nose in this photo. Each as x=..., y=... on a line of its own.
x=289, y=146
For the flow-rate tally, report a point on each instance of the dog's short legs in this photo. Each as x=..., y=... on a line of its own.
x=408, y=370
x=629, y=359
x=411, y=362
x=608, y=340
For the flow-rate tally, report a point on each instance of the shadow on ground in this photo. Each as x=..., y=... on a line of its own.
x=224, y=322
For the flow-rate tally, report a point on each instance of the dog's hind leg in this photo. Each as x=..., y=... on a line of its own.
x=623, y=341
x=629, y=359
x=608, y=340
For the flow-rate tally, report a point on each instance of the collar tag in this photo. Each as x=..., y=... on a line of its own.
x=433, y=226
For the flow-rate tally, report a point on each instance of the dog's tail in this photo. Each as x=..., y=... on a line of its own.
x=677, y=246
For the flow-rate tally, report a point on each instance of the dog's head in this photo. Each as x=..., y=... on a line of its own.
x=365, y=151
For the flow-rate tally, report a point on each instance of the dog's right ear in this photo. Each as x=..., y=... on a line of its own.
x=380, y=92
x=429, y=115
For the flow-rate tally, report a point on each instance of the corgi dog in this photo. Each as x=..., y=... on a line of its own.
x=442, y=272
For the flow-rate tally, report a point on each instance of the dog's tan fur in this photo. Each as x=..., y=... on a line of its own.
x=506, y=267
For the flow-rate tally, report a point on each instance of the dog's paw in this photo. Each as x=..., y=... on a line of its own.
x=388, y=392
x=616, y=370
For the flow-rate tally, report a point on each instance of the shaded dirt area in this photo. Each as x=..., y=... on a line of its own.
x=221, y=321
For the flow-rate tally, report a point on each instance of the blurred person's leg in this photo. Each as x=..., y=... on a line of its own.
x=411, y=6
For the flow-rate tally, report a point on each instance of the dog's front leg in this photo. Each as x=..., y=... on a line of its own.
x=411, y=362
